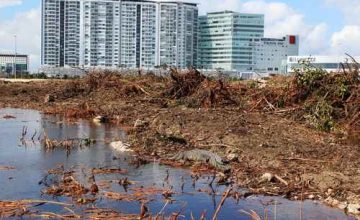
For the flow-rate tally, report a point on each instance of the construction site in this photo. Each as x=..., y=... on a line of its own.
x=296, y=137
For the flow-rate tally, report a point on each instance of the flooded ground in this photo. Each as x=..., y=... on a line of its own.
x=31, y=162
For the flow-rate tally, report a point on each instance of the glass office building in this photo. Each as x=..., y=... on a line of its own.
x=225, y=40
x=119, y=33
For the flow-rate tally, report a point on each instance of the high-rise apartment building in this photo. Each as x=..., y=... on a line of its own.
x=225, y=40
x=119, y=33
x=99, y=33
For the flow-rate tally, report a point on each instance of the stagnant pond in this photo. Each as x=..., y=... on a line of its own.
x=31, y=162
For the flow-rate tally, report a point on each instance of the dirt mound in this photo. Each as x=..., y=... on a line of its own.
x=196, y=90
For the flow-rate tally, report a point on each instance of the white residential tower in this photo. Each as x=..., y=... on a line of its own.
x=118, y=33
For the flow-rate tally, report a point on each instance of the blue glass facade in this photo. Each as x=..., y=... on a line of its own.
x=225, y=40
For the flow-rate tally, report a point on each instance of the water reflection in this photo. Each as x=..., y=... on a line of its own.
x=32, y=163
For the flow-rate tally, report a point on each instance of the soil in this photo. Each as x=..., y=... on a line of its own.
x=263, y=137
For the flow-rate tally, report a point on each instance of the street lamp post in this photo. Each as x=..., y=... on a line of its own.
x=15, y=55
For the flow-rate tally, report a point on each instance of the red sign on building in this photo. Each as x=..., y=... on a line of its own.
x=292, y=40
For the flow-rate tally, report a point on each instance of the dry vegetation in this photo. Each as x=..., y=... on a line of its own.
x=304, y=129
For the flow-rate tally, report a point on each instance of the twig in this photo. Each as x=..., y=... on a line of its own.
x=72, y=211
x=163, y=208
x=256, y=105
x=32, y=138
x=269, y=104
x=252, y=214
x=285, y=110
x=221, y=203
x=142, y=90
x=44, y=201
x=304, y=159
x=281, y=180
x=216, y=145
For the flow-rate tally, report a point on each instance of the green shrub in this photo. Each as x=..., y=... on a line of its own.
x=308, y=76
x=320, y=116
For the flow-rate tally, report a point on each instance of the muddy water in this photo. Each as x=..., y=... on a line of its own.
x=32, y=162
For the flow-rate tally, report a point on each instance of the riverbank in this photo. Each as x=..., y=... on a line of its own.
x=262, y=135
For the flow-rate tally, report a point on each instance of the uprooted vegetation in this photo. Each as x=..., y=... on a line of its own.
x=259, y=122
x=196, y=90
x=326, y=101
x=118, y=83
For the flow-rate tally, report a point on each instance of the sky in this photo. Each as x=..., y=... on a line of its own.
x=325, y=27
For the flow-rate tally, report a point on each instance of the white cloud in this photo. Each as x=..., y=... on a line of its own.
x=6, y=3
x=349, y=8
x=280, y=20
x=346, y=40
x=26, y=26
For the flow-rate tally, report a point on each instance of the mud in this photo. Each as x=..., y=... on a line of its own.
x=263, y=137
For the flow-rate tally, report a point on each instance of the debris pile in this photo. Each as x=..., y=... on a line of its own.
x=324, y=100
x=184, y=85
x=107, y=79
x=105, y=170
x=196, y=90
x=10, y=209
x=330, y=98
x=19, y=209
x=67, y=186
x=51, y=144
x=212, y=93
x=101, y=213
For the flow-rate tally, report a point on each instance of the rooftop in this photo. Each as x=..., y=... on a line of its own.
x=221, y=12
x=163, y=1
x=12, y=55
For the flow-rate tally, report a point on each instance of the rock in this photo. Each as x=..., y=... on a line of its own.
x=353, y=209
x=233, y=157
x=49, y=98
x=329, y=192
x=342, y=206
x=100, y=119
x=332, y=202
x=140, y=123
x=311, y=197
x=120, y=146
x=267, y=177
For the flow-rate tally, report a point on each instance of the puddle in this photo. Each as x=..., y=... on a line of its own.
x=32, y=163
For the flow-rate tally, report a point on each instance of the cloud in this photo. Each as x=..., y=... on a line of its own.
x=349, y=8
x=346, y=40
x=6, y=3
x=26, y=26
x=280, y=20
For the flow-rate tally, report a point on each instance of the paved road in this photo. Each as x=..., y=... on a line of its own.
x=22, y=80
